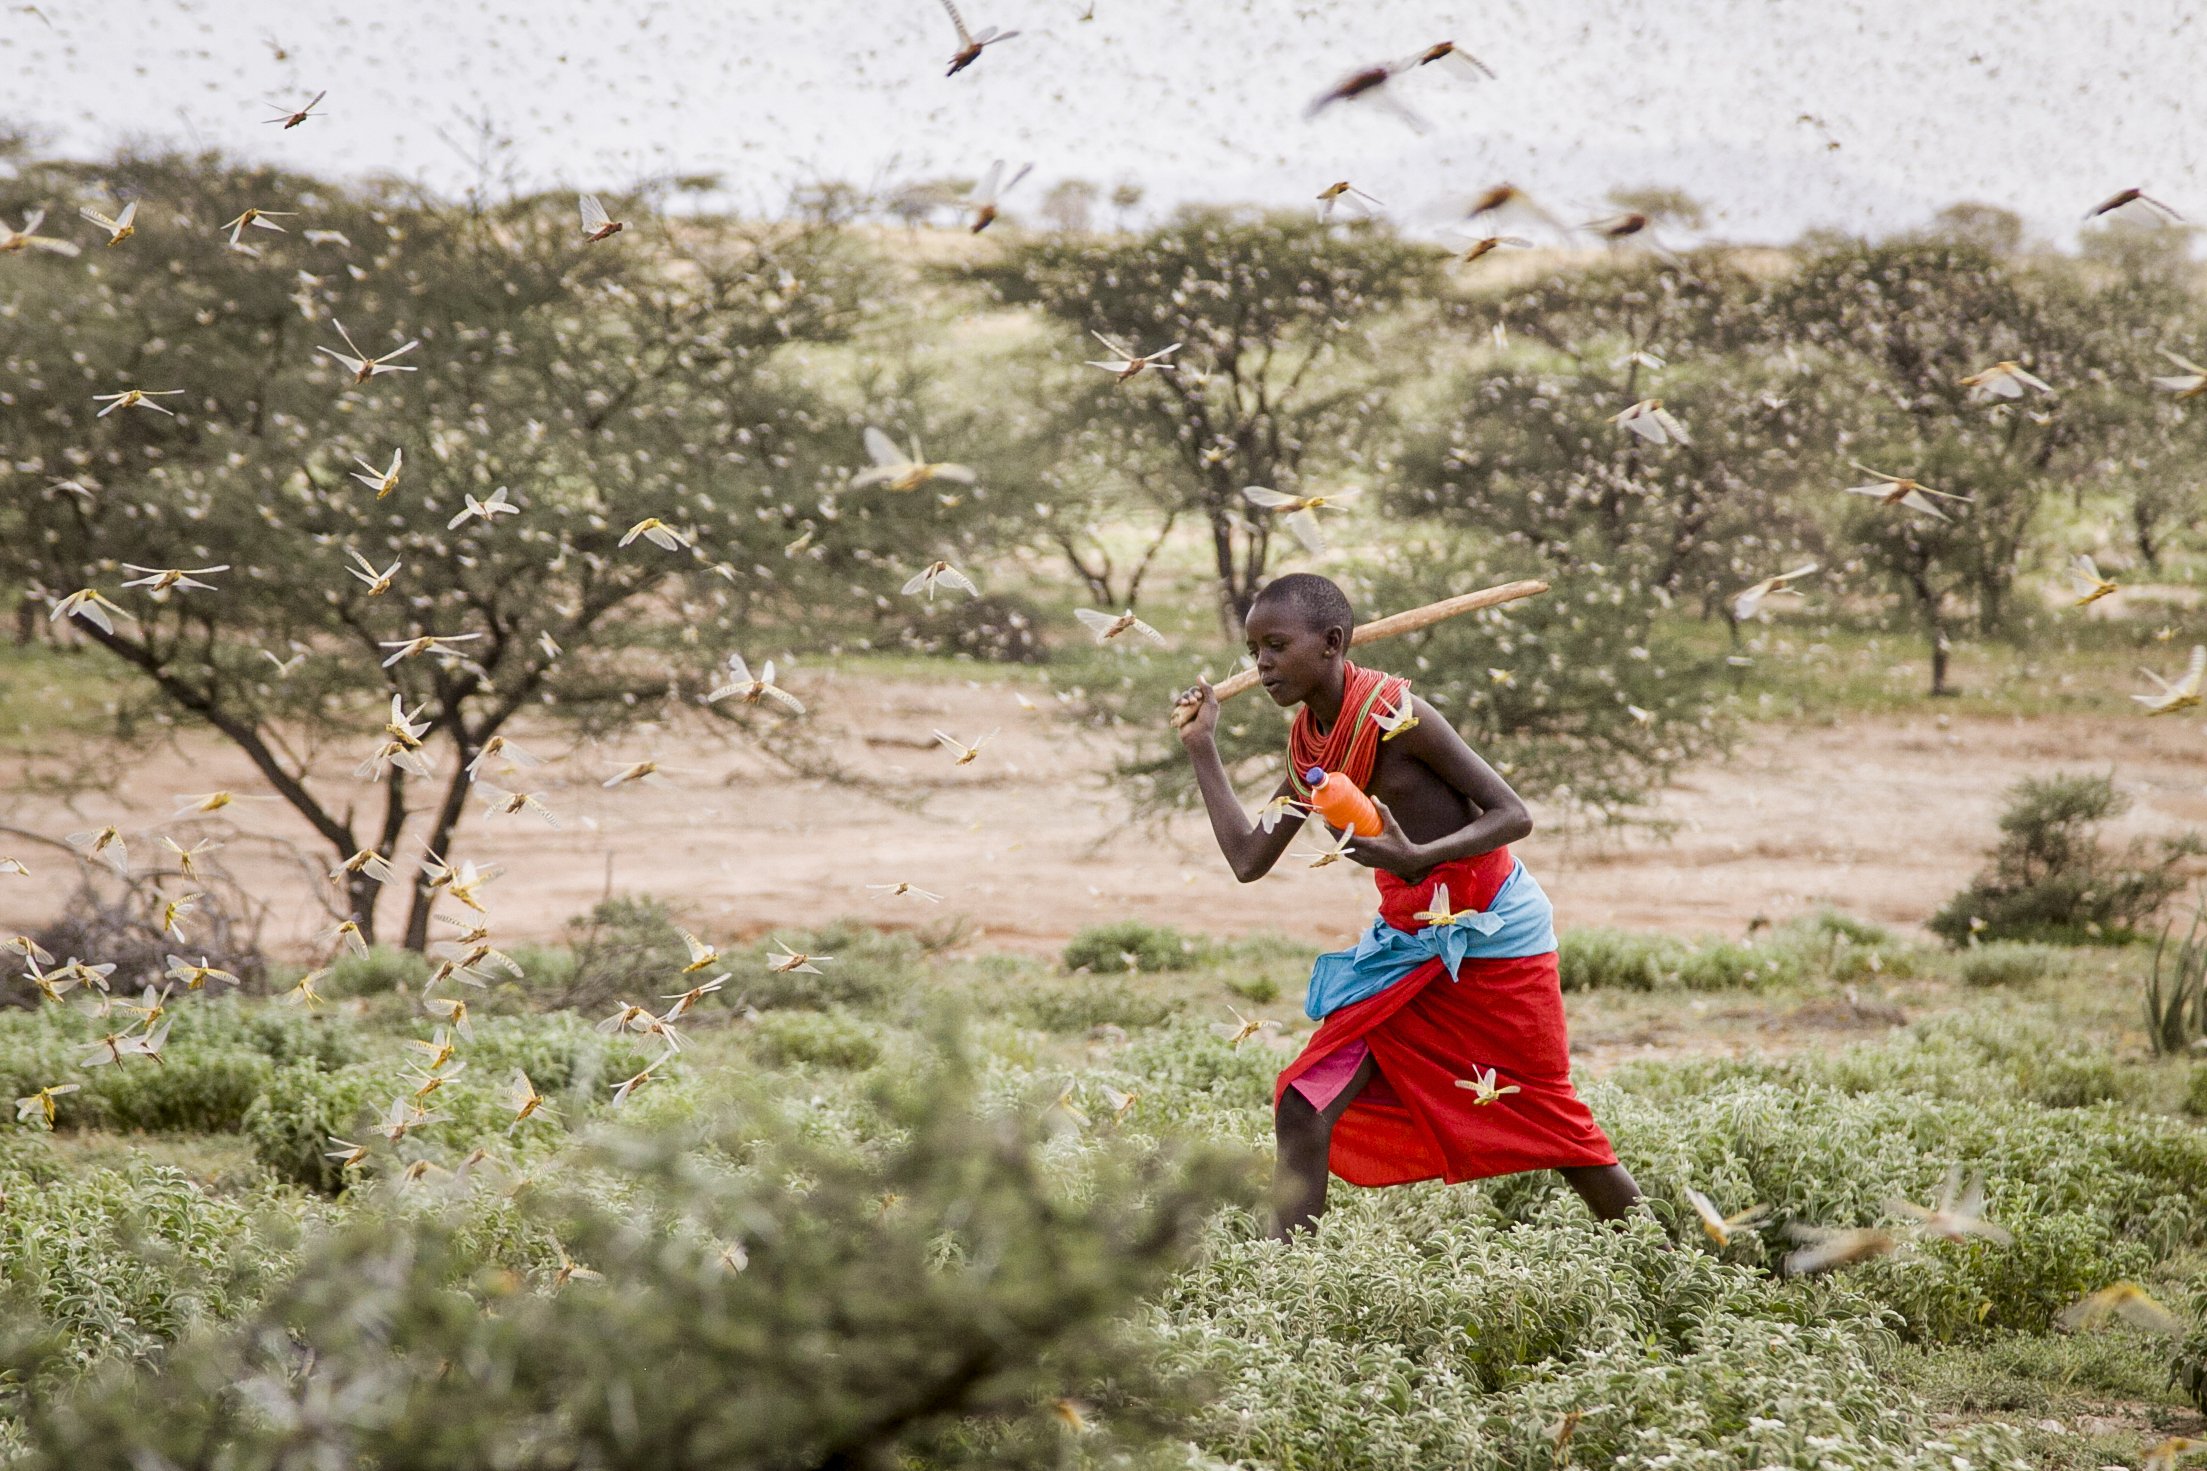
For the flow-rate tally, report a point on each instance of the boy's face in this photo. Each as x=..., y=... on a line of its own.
x=1293, y=659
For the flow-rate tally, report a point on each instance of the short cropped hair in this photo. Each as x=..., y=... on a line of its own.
x=1318, y=601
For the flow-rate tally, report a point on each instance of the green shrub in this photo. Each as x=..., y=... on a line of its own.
x=1724, y=965
x=2195, y=1097
x=1593, y=958
x=293, y=1120
x=41, y=1046
x=2050, y=879
x=563, y=1054
x=205, y=1092
x=626, y=946
x=2009, y=963
x=2175, y=996
x=1130, y=945
x=926, y=1301
x=2012, y=1370
x=829, y=1039
x=380, y=971
x=2091, y=1193
x=302, y=1107
x=1960, y=1056
x=1830, y=922
x=1191, y=1079
x=282, y=1034
x=1258, y=989
x=860, y=966
x=123, y=1261
x=2071, y=1079
x=1424, y=1333
x=220, y=1054
x=546, y=970
x=2188, y=1371
x=1079, y=1002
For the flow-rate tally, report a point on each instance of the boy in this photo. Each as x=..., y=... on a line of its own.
x=1442, y=1051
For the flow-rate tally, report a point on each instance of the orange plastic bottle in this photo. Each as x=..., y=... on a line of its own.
x=1335, y=798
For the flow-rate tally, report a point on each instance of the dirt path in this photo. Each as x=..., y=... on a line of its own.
x=1882, y=818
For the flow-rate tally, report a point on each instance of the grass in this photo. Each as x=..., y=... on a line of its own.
x=1429, y=1325
x=1818, y=667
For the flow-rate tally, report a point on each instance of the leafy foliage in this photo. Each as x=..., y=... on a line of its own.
x=1591, y=958
x=1129, y=945
x=650, y=373
x=859, y=968
x=1428, y=1335
x=2050, y=879
x=937, y=1200
x=2189, y=1372
x=121, y=1262
x=2008, y=963
x=1271, y=390
x=623, y=947
x=753, y=1296
x=1084, y=1001
x=220, y=1060
x=828, y=1039
x=2176, y=1000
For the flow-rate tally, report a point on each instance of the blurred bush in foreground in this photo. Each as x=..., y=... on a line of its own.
x=750, y=1297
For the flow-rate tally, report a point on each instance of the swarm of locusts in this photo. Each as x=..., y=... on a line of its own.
x=466, y=954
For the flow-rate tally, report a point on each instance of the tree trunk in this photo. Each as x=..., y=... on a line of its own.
x=243, y=733
x=2146, y=532
x=440, y=843
x=1255, y=553
x=1928, y=602
x=361, y=893
x=1097, y=578
x=1230, y=609
x=1992, y=608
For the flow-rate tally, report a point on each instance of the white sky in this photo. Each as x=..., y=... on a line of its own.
x=2044, y=106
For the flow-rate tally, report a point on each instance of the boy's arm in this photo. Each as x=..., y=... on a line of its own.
x=1502, y=816
x=1250, y=850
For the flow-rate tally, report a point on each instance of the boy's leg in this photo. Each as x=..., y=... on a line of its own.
x=1304, y=1135
x=1608, y=1190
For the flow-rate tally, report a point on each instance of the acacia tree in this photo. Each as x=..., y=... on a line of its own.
x=2139, y=279
x=1588, y=696
x=1892, y=331
x=1532, y=460
x=597, y=386
x=1270, y=311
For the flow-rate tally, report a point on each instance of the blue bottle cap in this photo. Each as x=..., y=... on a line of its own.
x=1316, y=776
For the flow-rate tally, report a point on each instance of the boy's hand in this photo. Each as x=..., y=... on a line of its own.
x=1196, y=713
x=1391, y=850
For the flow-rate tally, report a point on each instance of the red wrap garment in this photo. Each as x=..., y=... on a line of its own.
x=1412, y=1121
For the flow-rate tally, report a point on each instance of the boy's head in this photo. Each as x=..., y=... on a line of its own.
x=1298, y=629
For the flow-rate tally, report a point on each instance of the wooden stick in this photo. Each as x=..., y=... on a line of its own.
x=1409, y=621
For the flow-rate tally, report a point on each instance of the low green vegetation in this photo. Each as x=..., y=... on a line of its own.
x=1830, y=946
x=987, y=1210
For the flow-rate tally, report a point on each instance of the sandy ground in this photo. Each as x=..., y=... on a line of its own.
x=1881, y=818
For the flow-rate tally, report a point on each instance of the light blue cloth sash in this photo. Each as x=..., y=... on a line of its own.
x=1520, y=922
